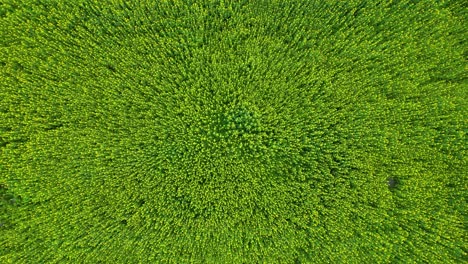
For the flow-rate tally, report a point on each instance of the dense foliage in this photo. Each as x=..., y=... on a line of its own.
x=299, y=131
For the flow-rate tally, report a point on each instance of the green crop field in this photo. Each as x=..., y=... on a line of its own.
x=211, y=131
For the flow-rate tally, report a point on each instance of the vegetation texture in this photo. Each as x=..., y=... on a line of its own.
x=233, y=131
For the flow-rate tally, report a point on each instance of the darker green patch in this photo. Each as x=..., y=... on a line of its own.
x=241, y=121
x=17, y=66
x=392, y=182
x=7, y=9
x=111, y=68
x=8, y=202
x=141, y=202
x=54, y=126
x=4, y=141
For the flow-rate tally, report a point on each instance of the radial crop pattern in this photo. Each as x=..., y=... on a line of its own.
x=233, y=131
